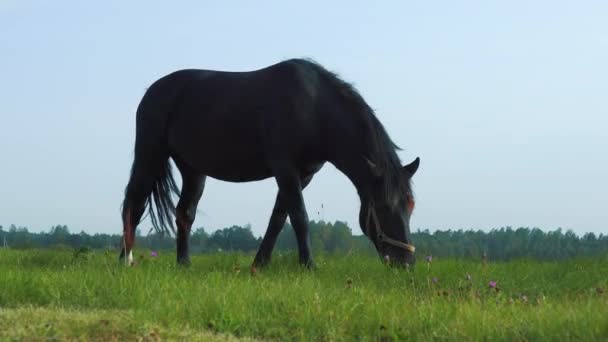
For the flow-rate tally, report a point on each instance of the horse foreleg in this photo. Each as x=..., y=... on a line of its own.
x=290, y=192
x=277, y=221
x=275, y=226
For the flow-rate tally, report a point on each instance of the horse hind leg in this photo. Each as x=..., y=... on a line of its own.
x=137, y=191
x=193, y=185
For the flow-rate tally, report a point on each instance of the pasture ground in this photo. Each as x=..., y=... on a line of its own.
x=59, y=294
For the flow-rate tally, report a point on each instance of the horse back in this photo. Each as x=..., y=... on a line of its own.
x=234, y=125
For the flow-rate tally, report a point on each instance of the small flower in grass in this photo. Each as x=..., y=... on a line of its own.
x=153, y=254
x=435, y=280
x=429, y=258
x=492, y=284
x=468, y=277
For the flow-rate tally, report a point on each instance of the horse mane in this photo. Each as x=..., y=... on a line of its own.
x=380, y=148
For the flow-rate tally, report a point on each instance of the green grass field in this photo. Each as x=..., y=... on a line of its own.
x=55, y=294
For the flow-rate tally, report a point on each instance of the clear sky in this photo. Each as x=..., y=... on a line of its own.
x=504, y=101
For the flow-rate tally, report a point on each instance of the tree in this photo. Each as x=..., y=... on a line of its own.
x=199, y=240
x=59, y=234
x=501, y=243
x=234, y=238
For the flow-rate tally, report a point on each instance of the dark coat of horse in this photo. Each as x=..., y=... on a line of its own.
x=283, y=121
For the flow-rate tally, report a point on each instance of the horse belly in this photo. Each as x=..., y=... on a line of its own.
x=223, y=157
x=237, y=169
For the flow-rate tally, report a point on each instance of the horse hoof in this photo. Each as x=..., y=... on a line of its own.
x=309, y=264
x=184, y=262
x=126, y=261
x=261, y=263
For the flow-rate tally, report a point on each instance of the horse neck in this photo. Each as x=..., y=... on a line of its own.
x=348, y=154
x=354, y=166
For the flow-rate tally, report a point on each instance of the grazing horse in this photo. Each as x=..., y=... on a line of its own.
x=283, y=121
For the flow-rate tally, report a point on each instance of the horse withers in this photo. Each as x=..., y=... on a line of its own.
x=283, y=121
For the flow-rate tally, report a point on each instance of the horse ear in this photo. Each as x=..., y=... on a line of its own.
x=410, y=169
x=374, y=168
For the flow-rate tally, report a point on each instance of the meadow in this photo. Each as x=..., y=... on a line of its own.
x=87, y=295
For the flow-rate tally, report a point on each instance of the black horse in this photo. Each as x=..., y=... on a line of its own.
x=283, y=121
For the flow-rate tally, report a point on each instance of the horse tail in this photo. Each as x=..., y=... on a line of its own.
x=159, y=201
x=152, y=184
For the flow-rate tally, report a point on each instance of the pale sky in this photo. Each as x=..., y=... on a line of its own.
x=505, y=102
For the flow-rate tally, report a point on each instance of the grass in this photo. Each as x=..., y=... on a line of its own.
x=90, y=296
x=36, y=323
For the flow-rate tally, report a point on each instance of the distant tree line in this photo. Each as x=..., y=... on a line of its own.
x=337, y=237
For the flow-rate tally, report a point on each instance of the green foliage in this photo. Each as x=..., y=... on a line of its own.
x=337, y=238
x=351, y=297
